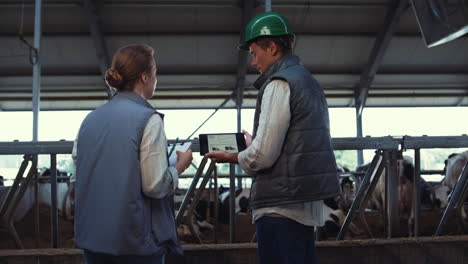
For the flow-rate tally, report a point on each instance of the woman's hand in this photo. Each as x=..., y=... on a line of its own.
x=184, y=159
x=248, y=138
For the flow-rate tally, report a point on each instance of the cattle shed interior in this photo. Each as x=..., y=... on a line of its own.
x=364, y=53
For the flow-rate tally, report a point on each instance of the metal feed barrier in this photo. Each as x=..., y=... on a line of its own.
x=386, y=148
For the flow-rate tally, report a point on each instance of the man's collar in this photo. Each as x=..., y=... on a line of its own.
x=281, y=63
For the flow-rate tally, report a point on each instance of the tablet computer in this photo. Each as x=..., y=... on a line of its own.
x=229, y=142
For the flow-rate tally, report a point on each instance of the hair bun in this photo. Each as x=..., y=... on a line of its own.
x=113, y=78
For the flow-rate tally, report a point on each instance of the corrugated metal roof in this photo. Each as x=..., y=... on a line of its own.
x=195, y=44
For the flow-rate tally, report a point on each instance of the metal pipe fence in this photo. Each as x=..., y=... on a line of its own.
x=389, y=143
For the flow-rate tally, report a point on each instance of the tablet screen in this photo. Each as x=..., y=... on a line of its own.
x=229, y=142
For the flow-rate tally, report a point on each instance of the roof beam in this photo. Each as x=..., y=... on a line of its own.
x=124, y=3
x=378, y=51
x=98, y=38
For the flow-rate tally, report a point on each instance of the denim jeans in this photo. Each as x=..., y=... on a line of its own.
x=284, y=241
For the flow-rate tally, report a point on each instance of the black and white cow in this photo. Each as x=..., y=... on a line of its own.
x=405, y=172
x=44, y=197
x=454, y=165
x=335, y=209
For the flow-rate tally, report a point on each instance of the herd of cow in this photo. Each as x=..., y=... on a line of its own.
x=432, y=195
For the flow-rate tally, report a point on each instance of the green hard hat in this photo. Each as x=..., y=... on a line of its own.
x=265, y=24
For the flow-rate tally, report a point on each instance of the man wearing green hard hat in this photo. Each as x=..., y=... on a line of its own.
x=290, y=154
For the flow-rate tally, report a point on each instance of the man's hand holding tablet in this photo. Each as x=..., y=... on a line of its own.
x=224, y=148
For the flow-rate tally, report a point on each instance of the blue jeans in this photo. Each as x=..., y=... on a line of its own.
x=282, y=240
x=100, y=258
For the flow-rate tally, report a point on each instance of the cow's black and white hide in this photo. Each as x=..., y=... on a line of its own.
x=454, y=165
x=241, y=203
x=346, y=197
x=44, y=197
x=405, y=172
x=405, y=178
x=334, y=218
x=205, y=211
x=335, y=209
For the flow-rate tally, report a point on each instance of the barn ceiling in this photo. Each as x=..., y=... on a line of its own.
x=343, y=43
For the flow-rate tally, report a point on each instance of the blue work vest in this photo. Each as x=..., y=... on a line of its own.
x=112, y=215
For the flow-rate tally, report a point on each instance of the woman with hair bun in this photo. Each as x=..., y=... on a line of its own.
x=124, y=186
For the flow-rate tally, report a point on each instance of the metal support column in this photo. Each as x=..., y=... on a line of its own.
x=247, y=12
x=360, y=155
x=391, y=194
x=216, y=204
x=267, y=5
x=416, y=193
x=36, y=98
x=375, y=58
x=232, y=204
x=37, y=67
x=53, y=197
x=37, y=230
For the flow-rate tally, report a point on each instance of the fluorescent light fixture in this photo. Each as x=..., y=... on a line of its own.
x=440, y=23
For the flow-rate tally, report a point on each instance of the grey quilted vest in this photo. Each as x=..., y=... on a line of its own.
x=112, y=215
x=306, y=168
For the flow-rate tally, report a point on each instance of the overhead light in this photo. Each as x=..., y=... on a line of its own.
x=440, y=23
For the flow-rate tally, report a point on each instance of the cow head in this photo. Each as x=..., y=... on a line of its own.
x=441, y=193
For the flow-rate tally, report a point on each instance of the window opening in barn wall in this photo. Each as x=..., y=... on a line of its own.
x=58, y=125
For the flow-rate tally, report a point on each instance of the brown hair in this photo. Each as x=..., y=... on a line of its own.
x=128, y=64
x=283, y=42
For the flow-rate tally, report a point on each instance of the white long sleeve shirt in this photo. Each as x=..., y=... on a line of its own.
x=157, y=179
x=265, y=149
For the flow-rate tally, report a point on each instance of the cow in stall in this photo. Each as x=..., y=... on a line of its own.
x=336, y=209
x=241, y=203
x=44, y=196
x=453, y=169
x=405, y=172
x=205, y=210
x=24, y=216
x=334, y=217
x=454, y=165
x=347, y=184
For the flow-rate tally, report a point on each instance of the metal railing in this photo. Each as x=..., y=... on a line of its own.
x=383, y=145
x=31, y=150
